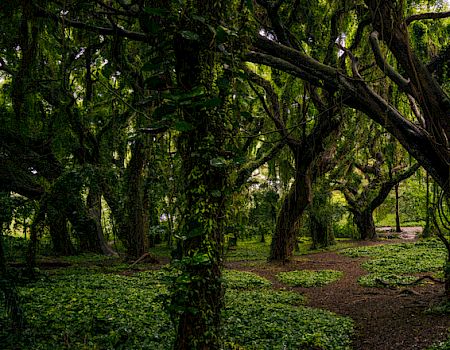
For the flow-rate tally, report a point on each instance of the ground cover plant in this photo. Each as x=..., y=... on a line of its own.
x=252, y=249
x=90, y=309
x=308, y=278
x=397, y=264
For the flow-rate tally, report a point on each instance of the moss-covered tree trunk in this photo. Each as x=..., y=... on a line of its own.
x=94, y=203
x=133, y=229
x=320, y=216
x=57, y=221
x=199, y=299
x=286, y=229
x=364, y=222
x=397, y=210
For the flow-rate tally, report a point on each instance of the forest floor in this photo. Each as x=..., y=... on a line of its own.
x=384, y=318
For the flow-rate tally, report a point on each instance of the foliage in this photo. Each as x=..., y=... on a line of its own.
x=108, y=311
x=249, y=250
x=395, y=263
x=445, y=345
x=307, y=278
x=381, y=279
x=253, y=249
x=255, y=322
x=94, y=311
x=235, y=279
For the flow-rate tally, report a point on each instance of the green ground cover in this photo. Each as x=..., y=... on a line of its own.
x=253, y=249
x=398, y=263
x=96, y=310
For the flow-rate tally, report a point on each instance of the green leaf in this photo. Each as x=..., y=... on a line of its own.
x=155, y=81
x=218, y=162
x=183, y=126
x=211, y=103
x=216, y=193
x=249, y=4
x=156, y=11
x=246, y=115
x=199, y=18
x=190, y=35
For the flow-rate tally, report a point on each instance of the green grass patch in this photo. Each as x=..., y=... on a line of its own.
x=307, y=278
x=396, y=263
x=249, y=250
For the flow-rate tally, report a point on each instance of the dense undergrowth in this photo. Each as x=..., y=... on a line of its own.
x=84, y=308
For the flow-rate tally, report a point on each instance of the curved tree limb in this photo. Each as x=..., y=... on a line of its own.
x=402, y=83
x=428, y=15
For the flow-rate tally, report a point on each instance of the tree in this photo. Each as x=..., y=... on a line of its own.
x=369, y=180
x=307, y=145
x=426, y=137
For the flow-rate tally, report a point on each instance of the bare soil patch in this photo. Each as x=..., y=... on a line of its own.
x=384, y=318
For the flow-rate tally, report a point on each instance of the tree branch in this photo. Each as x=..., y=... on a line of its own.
x=402, y=83
x=107, y=31
x=274, y=111
x=428, y=15
x=245, y=172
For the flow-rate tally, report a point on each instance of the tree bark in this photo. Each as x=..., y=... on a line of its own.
x=286, y=229
x=94, y=203
x=397, y=211
x=365, y=224
x=57, y=221
x=204, y=177
x=133, y=230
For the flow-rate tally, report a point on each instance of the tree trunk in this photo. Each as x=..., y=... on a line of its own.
x=428, y=210
x=2, y=253
x=134, y=229
x=9, y=291
x=447, y=278
x=321, y=231
x=94, y=203
x=62, y=245
x=204, y=180
x=397, y=212
x=286, y=229
x=320, y=224
x=365, y=224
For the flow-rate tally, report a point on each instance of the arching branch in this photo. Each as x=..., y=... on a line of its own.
x=402, y=83
x=428, y=15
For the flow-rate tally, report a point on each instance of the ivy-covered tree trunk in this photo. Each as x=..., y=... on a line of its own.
x=198, y=300
x=10, y=297
x=286, y=229
x=321, y=230
x=365, y=224
x=320, y=216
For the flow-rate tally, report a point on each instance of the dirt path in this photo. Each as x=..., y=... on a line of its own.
x=384, y=318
